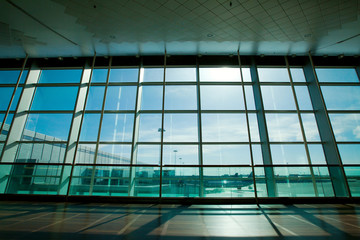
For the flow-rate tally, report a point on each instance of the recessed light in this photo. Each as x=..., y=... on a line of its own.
x=60, y=58
x=341, y=56
x=210, y=35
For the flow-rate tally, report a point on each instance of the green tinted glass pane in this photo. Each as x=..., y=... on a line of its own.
x=111, y=181
x=353, y=177
x=146, y=182
x=180, y=182
x=60, y=76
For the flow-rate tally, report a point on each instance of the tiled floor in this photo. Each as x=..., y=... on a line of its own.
x=29, y=220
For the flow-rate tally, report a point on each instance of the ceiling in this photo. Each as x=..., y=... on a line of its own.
x=53, y=28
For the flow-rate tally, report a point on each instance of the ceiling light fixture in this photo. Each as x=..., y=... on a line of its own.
x=210, y=35
x=60, y=58
x=341, y=56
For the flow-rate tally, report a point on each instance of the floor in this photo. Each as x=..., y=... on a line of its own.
x=29, y=220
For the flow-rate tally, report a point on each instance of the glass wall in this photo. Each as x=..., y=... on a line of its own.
x=180, y=130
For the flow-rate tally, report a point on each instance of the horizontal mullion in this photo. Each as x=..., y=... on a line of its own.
x=50, y=111
x=339, y=84
x=38, y=163
x=120, y=111
x=344, y=111
x=220, y=83
x=192, y=83
x=224, y=111
x=280, y=111
x=348, y=142
x=55, y=84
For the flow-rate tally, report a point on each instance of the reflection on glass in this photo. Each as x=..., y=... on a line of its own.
x=152, y=75
x=120, y=98
x=54, y=98
x=114, y=154
x=117, y=127
x=349, y=153
x=224, y=74
x=297, y=75
x=310, y=127
x=278, y=98
x=273, y=75
x=47, y=127
x=180, y=155
x=222, y=98
x=226, y=155
x=99, y=75
x=60, y=76
x=224, y=128
x=95, y=98
x=85, y=153
x=151, y=97
x=341, y=97
x=180, y=75
x=180, y=98
x=90, y=127
x=41, y=152
x=180, y=128
x=316, y=152
x=5, y=97
x=124, y=75
x=9, y=76
x=283, y=127
x=150, y=128
x=288, y=154
x=303, y=98
x=147, y=154
x=353, y=175
x=146, y=182
x=336, y=75
x=180, y=182
x=346, y=126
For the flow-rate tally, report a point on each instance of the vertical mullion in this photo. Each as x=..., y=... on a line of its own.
x=248, y=126
x=200, y=154
x=302, y=127
x=162, y=129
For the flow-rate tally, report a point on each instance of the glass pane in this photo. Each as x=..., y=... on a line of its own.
x=297, y=74
x=6, y=127
x=223, y=74
x=90, y=127
x=99, y=76
x=124, y=75
x=222, y=98
x=273, y=75
x=254, y=127
x=9, y=76
x=310, y=127
x=257, y=154
x=111, y=181
x=114, y=154
x=5, y=97
x=224, y=128
x=150, y=128
x=120, y=98
x=54, y=98
x=95, y=98
x=180, y=74
x=262, y=179
x=41, y=153
x=180, y=155
x=278, y=98
x=341, y=97
x=81, y=180
x=86, y=153
x=288, y=154
x=23, y=76
x=346, y=126
x=61, y=76
x=117, y=127
x=249, y=94
x=47, y=127
x=180, y=128
x=316, y=152
x=180, y=98
x=151, y=97
x=336, y=75
x=16, y=99
x=353, y=176
x=147, y=154
x=283, y=127
x=246, y=74
x=226, y=155
x=180, y=182
x=146, y=182
x=152, y=75
x=303, y=98
x=228, y=182
x=350, y=153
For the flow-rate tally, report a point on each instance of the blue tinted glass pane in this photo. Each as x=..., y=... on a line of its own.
x=283, y=127
x=150, y=128
x=317, y=155
x=288, y=154
x=273, y=75
x=226, y=155
x=95, y=98
x=249, y=94
x=310, y=127
x=336, y=75
x=60, y=76
x=341, y=97
x=278, y=98
x=147, y=154
x=350, y=153
x=54, y=98
x=124, y=75
x=180, y=128
x=224, y=74
x=151, y=97
x=117, y=127
x=180, y=74
x=222, y=98
x=297, y=75
x=9, y=76
x=120, y=98
x=303, y=98
x=90, y=127
x=16, y=99
x=114, y=154
x=47, y=127
x=180, y=154
x=23, y=76
x=224, y=128
x=152, y=75
x=180, y=98
x=346, y=126
x=99, y=76
x=5, y=97
x=41, y=152
x=6, y=127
